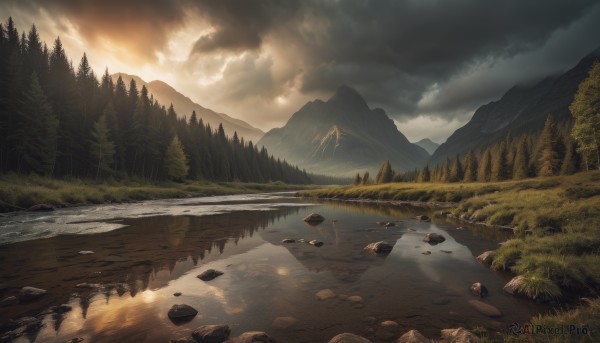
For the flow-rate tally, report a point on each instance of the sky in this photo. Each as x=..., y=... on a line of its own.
x=428, y=63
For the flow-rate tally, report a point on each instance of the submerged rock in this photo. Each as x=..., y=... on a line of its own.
x=325, y=294
x=252, y=337
x=31, y=293
x=182, y=312
x=315, y=243
x=479, y=290
x=8, y=301
x=209, y=274
x=348, y=338
x=355, y=298
x=461, y=335
x=314, y=218
x=288, y=240
x=380, y=247
x=433, y=238
x=389, y=224
x=177, y=294
x=486, y=257
x=413, y=336
x=485, y=309
x=211, y=333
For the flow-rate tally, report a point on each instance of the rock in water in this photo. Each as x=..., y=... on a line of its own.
x=459, y=335
x=479, y=290
x=31, y=293
x=252, y=337
x=209, y=274
x=288, y=240
x=211, y=333
x=348, y=338
x=514, y=285
x=325, y=294
x=314, y=218
x=380, y=247
x=389, y=224
x=414, y=336
x=182, y=313
x=433, y=238
x=487, y=257
x=315, y=243
x=485, y=309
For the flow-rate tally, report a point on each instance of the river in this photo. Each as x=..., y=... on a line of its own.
x=139, y=255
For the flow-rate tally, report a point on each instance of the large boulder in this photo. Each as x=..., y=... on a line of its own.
x=252, y=337
x=479, y=290
x=31, y=293
x=209, y=274
x=433, y=238
x=413, y=336
x=314, y=218
x=460, y=335
x=182, y=313
x=348, y=338
x=380, y=247
x=485, y=309
x=211, y=333
x=486, y=257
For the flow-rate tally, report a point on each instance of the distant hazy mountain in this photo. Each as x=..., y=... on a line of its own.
x=342, y=136
x=522, y=109
x=166, y=95
x=428, y=145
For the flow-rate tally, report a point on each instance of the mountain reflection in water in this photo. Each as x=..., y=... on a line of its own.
x=123, y=291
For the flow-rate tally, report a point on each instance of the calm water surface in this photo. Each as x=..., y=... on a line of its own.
x=144, y=253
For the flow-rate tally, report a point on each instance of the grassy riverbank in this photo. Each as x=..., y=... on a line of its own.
x=556, y=248
x=18, y=192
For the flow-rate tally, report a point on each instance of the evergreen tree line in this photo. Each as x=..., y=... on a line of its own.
x=552, y=152
x=558, y=150
x=58, y=121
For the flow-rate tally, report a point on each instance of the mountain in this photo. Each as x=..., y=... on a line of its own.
x=428, y=145
x=522, y=109
x=342, y=136
x=166, y=95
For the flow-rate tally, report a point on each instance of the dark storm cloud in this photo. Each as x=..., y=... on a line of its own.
x=241, y=25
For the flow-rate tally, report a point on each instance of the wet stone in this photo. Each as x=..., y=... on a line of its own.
x=288, y=240
x=209, y=274
x=284, y=322
x=177, y=294
x=211, y=333
x=485, y=309
x=325, y=294
x=252, y=337
x=414, y=336
x=479, y=290
x=31, y=293
x=348, y=338
x=182, y=313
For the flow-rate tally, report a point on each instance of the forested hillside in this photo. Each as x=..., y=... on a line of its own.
x=57, y=120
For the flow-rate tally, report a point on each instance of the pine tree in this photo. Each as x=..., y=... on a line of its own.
x=424, y=175
x=37, y=131
x=484, y=173
x=499, y=167
x=585, y=108
x=470, y=174
x=366, y=180
x=102, y=147
x=456, y=172
x=357, y=179
x=571, y=161
x=385, y=173
x=445, y=171
x=521, y=164
x=176, y=163
x=550, y=150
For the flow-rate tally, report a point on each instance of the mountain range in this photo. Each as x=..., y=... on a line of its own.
x=522, y=109
x=428, y=145
x=166, y=95
x=342, y=136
